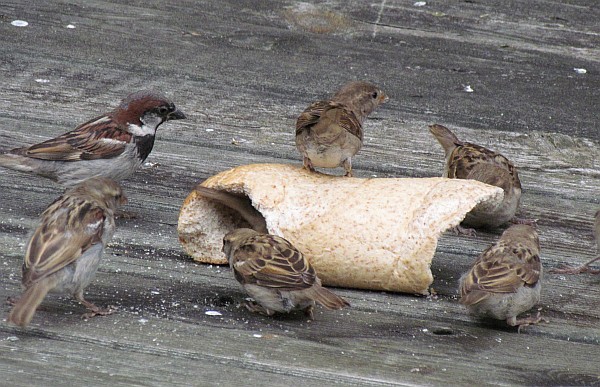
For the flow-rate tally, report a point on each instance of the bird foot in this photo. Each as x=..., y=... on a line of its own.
x=565, y=269
x=525, y=322
x=307, y=164
x=348, y=167
x=94, y=310
x=97, y=311
x=529, y=222
x=460, y=230
x=11, y=300
x=585, y=268
x=310, y=312
x=254, y=307
x=127, y=215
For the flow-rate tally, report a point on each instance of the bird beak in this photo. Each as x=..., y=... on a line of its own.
x=176, y=115
x=123, y=200
x=383, y=98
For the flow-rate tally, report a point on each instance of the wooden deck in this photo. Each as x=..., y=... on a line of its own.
x=242, y=71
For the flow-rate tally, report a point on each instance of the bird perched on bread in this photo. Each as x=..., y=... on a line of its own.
x=114, y=144
x=329, y=133
x=465, y=160
x=275, y=274
x=505, y=280
x=65, y=250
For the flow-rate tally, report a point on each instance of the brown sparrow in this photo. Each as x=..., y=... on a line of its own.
x=329, y=133
x=275, y=274
x=469, y=161
x=585, y=268
x=112, y=145
x=505, y=280
x=65, y=250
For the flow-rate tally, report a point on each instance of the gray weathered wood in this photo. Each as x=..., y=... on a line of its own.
x=243, y=71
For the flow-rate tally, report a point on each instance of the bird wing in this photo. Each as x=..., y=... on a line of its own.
x=493, y=174
x=502, y=268
x=62, y=239
x=466, y=157
x=272, y=262
x=327, y=120
x=99, y=138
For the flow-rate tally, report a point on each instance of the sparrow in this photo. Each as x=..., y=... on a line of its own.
x=505, y=280
x=469, y=161
x=329, y=133
x=113, y=145
x=64, y=251
x=585, y=268
x=275, y=274
x=239, y=203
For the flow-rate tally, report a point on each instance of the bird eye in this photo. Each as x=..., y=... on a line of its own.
x=163, y=110
x=374, y=95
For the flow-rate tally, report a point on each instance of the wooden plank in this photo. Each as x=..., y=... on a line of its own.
x=244, y=70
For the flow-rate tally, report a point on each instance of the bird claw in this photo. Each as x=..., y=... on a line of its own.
x=565, y=269
x=527, y=321
x=310, y=312
x=348, y=168
x=254, y=307
x=460, y=230
x=585, y=268
x=529, y=222
x=307, y=164
x=127, y=215
x=97, y=311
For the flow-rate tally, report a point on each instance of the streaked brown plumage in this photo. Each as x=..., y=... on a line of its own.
x=465, y=160
x=113, y=145
x=505, y=280
x=275, y=274
x=329, y=133
x=585, y=268
x=64, y=252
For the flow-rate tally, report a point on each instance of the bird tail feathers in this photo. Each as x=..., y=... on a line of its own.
x=24, y=309
x=15, y=162
x=445, y=137
x=328, y=299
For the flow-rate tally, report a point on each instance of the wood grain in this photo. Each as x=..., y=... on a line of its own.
x=242, y=71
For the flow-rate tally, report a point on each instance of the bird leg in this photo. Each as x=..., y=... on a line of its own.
x=348, y=167
x=94, y=309
x=127, y=215
x=565, y=269
x=307, y=164
x=526, y=321
x=254, y=307
x=460, y=230
x=529, y=222
x=310, y=312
